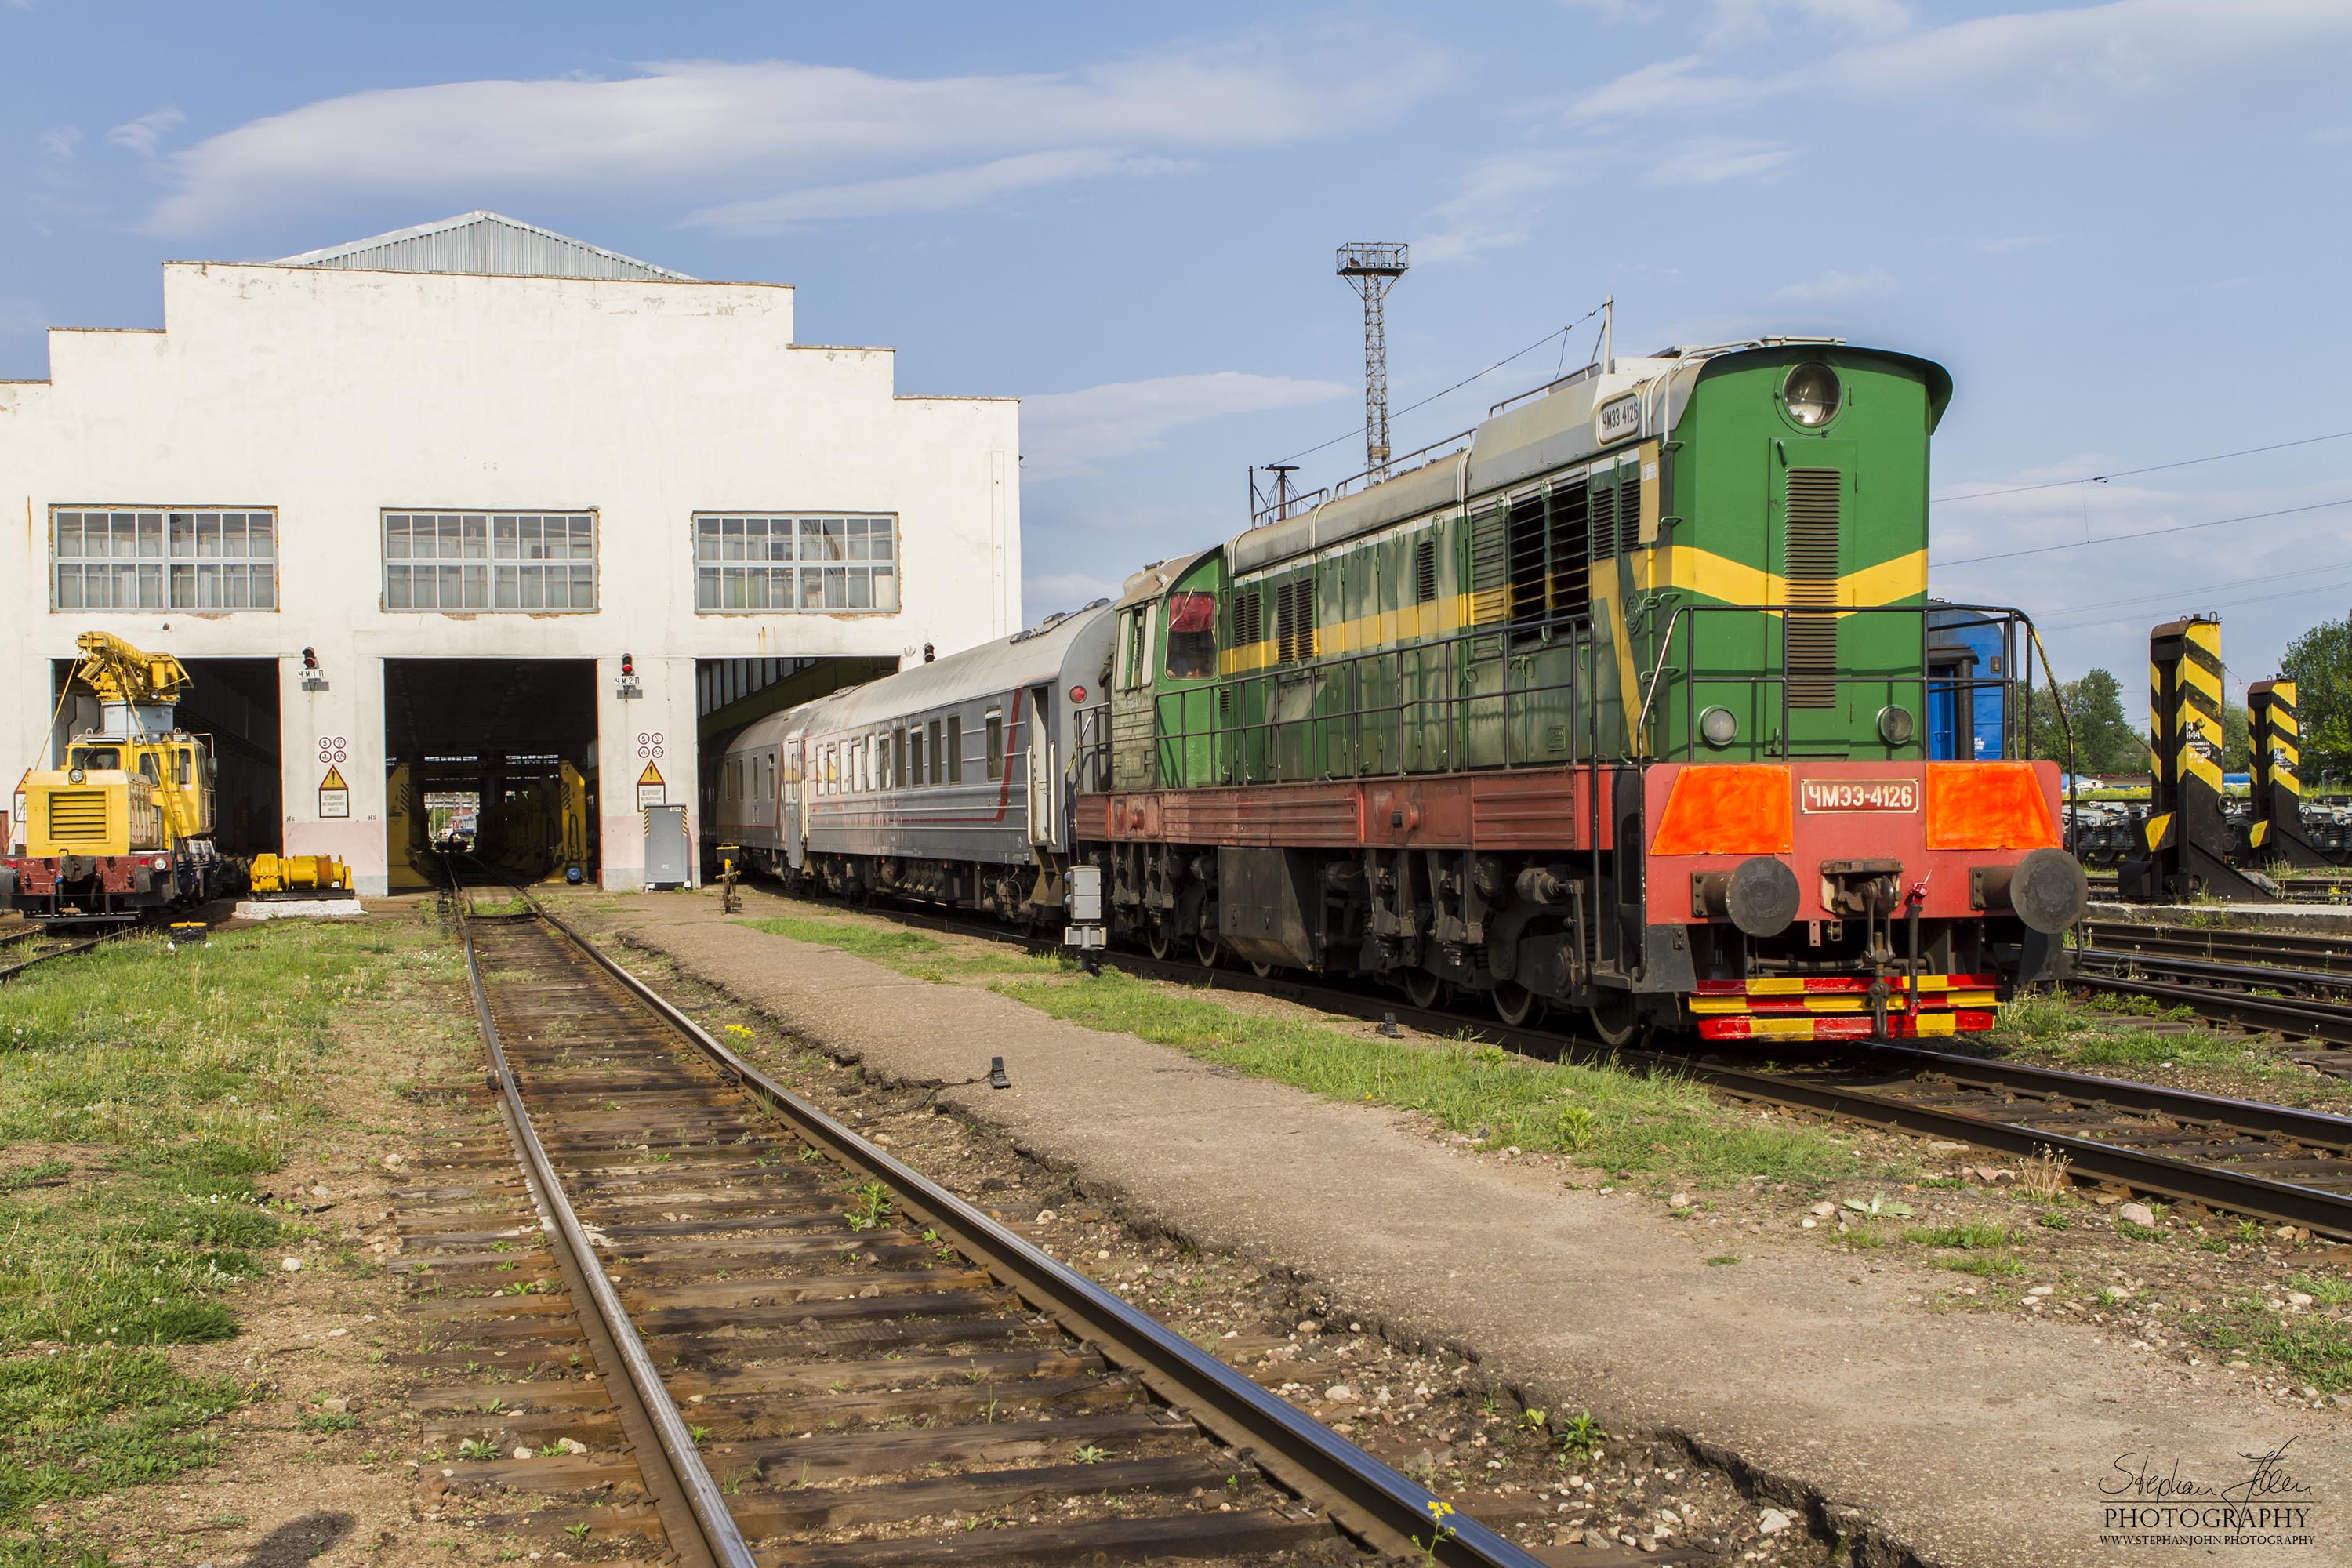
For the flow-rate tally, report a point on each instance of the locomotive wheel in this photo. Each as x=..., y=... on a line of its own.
x=1422, y=988
x=1263, y=970
x=1157, y=941
x=1206, y=953
x=1615, y=1019
x=1515, y=1004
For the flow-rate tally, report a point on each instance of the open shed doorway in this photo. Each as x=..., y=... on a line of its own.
x=513, y=740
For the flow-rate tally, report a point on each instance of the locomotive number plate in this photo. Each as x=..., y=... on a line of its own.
x=1859, y=795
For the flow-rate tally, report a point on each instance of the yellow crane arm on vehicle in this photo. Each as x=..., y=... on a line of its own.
x=120, y=673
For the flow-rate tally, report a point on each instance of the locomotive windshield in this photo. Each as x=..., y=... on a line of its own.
x=98, y=759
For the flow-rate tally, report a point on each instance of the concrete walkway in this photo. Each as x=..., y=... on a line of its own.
x=1965, y=1439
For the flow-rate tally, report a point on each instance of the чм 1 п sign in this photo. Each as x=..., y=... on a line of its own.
x=1858, y=794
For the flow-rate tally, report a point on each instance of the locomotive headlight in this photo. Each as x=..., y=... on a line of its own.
x=1894, y=725
x=1720, y=726
x=1812, y=395
x=75, y=775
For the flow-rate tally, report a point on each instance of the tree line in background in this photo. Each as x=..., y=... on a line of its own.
x=2319, y=662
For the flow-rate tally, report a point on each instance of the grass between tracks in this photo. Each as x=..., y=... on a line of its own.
x=1612, y=1121
x=1616, y=1121
x=2079, y=1031
x=143, y=1093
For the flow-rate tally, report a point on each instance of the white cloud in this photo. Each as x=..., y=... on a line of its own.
x=59, y=141
x=700, y=132
x=2126, y=64
x=1067, y=433
x=1711, y=159
x=1497, y=197
x=1731, y=23
x=143, y=135
x=943, y=190
x=1835, y=286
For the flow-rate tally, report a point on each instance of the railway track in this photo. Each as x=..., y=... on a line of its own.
x=2298, y=986
x=817, y=1356
x=2268, y=1161
x=23, y=950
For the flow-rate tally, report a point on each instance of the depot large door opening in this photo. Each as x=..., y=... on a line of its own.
x=233, y=702
x=518, y=737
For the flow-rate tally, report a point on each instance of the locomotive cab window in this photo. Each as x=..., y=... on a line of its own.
x=1191, y=635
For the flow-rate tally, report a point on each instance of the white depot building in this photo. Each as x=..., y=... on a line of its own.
x=470, y=467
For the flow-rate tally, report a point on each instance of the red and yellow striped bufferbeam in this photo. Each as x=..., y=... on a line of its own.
x=1837, y=1007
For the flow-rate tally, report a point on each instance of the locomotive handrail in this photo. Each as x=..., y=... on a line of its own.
x=1430, y=678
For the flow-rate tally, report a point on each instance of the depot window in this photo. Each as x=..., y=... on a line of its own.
x=763, y=564
x=163, y=559
x=489, y=561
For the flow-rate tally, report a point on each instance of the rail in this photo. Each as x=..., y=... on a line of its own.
x=1364, y=1497
x=711, y=1536
x=1839, y=1083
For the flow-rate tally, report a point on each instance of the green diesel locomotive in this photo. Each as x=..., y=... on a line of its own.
x=1613, y=704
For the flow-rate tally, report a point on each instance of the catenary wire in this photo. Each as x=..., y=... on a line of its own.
x=2127, y=473
x=1351, y=435
x=2143, y=533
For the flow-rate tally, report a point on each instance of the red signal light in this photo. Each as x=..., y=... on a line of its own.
x=1077, y=694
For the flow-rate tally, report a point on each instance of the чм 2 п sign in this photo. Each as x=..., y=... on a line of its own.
x=1859, y=795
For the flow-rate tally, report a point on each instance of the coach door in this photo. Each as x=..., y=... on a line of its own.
x=792, y=829
x=1044, y=799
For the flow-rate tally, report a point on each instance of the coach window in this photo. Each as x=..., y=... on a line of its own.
x=932, y=735
x=915, y=751
x=955, y=748
x=1191, y=635
x=995, y=738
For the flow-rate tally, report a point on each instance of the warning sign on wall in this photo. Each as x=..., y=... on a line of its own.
x=650, y=790
x=334, y=795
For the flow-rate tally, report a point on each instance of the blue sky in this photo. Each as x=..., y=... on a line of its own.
x=2123, y=227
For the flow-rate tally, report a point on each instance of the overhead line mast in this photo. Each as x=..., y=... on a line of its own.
x=1372, y=268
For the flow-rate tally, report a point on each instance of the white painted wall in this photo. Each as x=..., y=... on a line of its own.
x=331, y=396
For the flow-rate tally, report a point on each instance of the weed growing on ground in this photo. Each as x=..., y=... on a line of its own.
x=1978, y=1235
x=1627, y=1122
x=2316, y=1351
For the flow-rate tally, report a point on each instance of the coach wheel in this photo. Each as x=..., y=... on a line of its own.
x=1263, y=970
x=1616, y=1019
x=1422, y=988
x=1157, y=940
x=1205, y=950
x=1515, y=1004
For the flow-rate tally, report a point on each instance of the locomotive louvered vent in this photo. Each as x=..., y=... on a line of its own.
x=1629, y=510
x=1425, y=571
x=77, y=815
x=1490, y=567
x=1293, y=620
x=1603, y=519
x=1812, y=517
x=1249, y=619
x=1530, y=538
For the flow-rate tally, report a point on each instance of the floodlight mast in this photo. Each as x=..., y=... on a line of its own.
x=1372, y=268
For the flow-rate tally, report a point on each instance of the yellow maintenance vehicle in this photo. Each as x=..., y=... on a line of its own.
x=125, y=827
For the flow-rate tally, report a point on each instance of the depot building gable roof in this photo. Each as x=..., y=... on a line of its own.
x=486, y=245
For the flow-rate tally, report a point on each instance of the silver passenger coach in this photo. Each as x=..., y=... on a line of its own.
x=952, y=780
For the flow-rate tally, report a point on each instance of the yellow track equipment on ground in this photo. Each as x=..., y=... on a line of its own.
x=126, y=825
